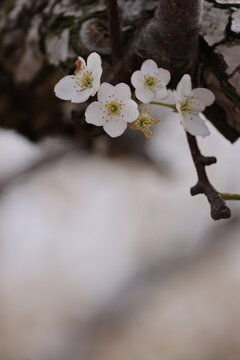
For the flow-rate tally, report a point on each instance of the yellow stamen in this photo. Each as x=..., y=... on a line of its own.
x=87, y=80
x=188, y=106
x=114, y=108
x=150, y=82
x=143, y=123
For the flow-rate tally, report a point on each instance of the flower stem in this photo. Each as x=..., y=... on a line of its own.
x=172, y=106
x=229, y=196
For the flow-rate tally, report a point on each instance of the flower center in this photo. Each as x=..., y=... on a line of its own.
x=144, y=120
x=143, y=123
x=114, y=108
x=83, y=82
x=188, y=106
x=86, y=80
x=150, y=82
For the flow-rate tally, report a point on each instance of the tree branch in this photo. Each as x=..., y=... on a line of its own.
x=219, y=209
x=115, y=31
x=171, y=37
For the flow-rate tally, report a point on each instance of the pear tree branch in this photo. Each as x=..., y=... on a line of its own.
x=115, y=31
x=219, y=209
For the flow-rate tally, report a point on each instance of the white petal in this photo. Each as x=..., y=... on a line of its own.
x=137, y=79
x=105, y=92
x=184, y=87
x=161, y=94
x=149, y=67
x=96, y=77
x=164, y=76
x=170, y=99
x=115, y=128
x=94, y=114
x=64, y=89
x=81, y=96
x=94, y=60
x=95, y=88
x=95, y=85
x=94, y=64
x=122, y=92
x=195, y=125
x=204, y=98
x=176, y=99
x=144, y=95
x=130, y=111
x=202, y=116
x=178, y=106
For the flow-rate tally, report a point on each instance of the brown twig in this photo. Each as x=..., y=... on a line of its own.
x=219, y=209
x=115, y=31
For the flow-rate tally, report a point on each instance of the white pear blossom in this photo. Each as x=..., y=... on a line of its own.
x=84, y=83
x=150, y=82
x=190, y=104
x=113, y=110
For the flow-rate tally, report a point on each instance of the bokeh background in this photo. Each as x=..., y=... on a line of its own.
x=110, y=257
x=104, y=255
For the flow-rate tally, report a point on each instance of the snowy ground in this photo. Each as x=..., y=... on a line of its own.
x=110, y=257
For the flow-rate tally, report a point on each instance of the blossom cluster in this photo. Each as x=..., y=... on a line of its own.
x=115, y=107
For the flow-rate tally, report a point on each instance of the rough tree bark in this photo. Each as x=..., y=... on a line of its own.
x=220, y=70
x=171, y=37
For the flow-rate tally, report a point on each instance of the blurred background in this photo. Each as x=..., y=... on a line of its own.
x=104, y=254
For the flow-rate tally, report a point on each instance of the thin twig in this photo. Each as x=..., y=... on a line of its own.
x=230, y=196
x=219, y=209
x=115, y=31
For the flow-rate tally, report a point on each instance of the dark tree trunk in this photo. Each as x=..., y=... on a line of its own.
x=172, y=36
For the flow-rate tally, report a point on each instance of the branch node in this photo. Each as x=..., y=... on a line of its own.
x=207, y=160
x=221, y=211
x=197, y=189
